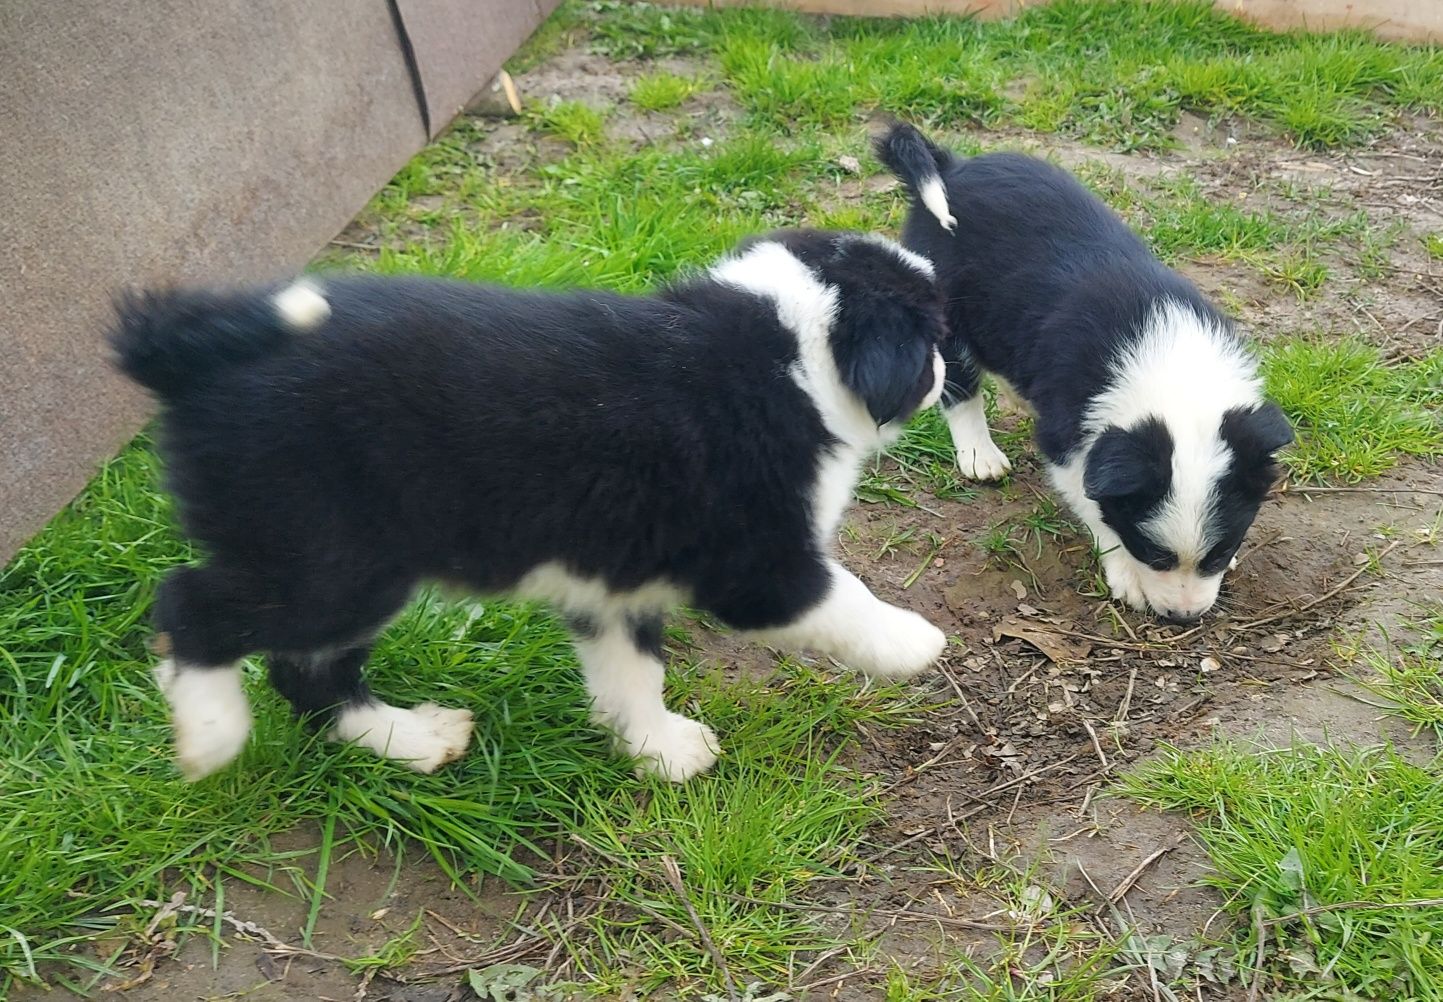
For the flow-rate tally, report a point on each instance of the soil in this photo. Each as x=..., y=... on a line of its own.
x=1047, y=692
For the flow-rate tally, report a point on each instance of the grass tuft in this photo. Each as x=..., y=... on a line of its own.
x=660, y=91
x=1410, y=679
x=1113, y=72
x=1333, y=859
x=573, y=121
x=1355, y=413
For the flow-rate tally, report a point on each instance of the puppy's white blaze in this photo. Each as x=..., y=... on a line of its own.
x=1187, y=371
x=1181, y=522
x=933, y=194
x=424, y=737
x=209, y=713
x=301, y=306
x=907, y=257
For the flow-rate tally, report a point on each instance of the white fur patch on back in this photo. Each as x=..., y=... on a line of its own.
x=907, y=257
x=1187, y=371
x=301, y=306
x=939, y=382
x=807, y=307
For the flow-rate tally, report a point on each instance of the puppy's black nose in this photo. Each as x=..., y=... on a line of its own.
x=1175, y=618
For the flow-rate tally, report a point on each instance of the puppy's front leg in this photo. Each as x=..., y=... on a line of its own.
x=978, y=457
x=861, y=631
x=622, y=661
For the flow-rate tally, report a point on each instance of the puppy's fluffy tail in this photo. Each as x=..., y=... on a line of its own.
x=171, y=341
x=918, y=163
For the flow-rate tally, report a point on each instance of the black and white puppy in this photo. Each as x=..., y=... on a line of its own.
x=1149, y=409
x=333, y=444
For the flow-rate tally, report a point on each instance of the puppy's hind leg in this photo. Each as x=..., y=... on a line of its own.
x=328, y=687
x=860, y=630
x=978, y=457
x=622, y=662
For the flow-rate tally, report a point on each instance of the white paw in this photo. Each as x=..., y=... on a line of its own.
x=209, y=715
x=677, y=750
x=425, y=737
x=903, y=644
x=983, y=461
x=1123, y=580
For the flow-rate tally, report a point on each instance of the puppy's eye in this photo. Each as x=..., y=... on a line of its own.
x=1166, y=562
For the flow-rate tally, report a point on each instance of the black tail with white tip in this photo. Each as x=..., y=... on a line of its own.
x=170, y=342
x=917, y=162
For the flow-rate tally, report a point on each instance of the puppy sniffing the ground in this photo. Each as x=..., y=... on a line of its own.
x=1149, y=410
x=332, y=445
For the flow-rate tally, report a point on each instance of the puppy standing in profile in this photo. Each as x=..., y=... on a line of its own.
x=1149, y=410
x=330, y=446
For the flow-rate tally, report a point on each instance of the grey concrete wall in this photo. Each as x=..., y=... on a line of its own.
x=156, y=141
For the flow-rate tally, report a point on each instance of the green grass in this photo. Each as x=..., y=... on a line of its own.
x=660, y=91
x=781, y=813
x=1114, y=72
x=573, y=121
x=1355, y=412
x=1330, y=860
x=1409, y=678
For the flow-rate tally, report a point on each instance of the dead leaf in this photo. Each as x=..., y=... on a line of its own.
x=850, y=164
x=1018, y=588
x=1209, y=665
x=1055, y=647
x=1274, y=643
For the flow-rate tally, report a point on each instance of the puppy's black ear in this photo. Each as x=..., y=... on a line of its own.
x=1255, y=434
x=1127, y=462
x=1257, y=431
x=882, y=354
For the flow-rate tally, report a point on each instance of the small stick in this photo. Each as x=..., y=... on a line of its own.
x=672, y=872
x=1364, y=490
x=270, y=939
x=1331, y=592
x=1127, y=882
x=1361, y=906
x=1126, y=705
x=897, y=914
x=961, y=696
x=1096, y=744
x=1261, y=931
